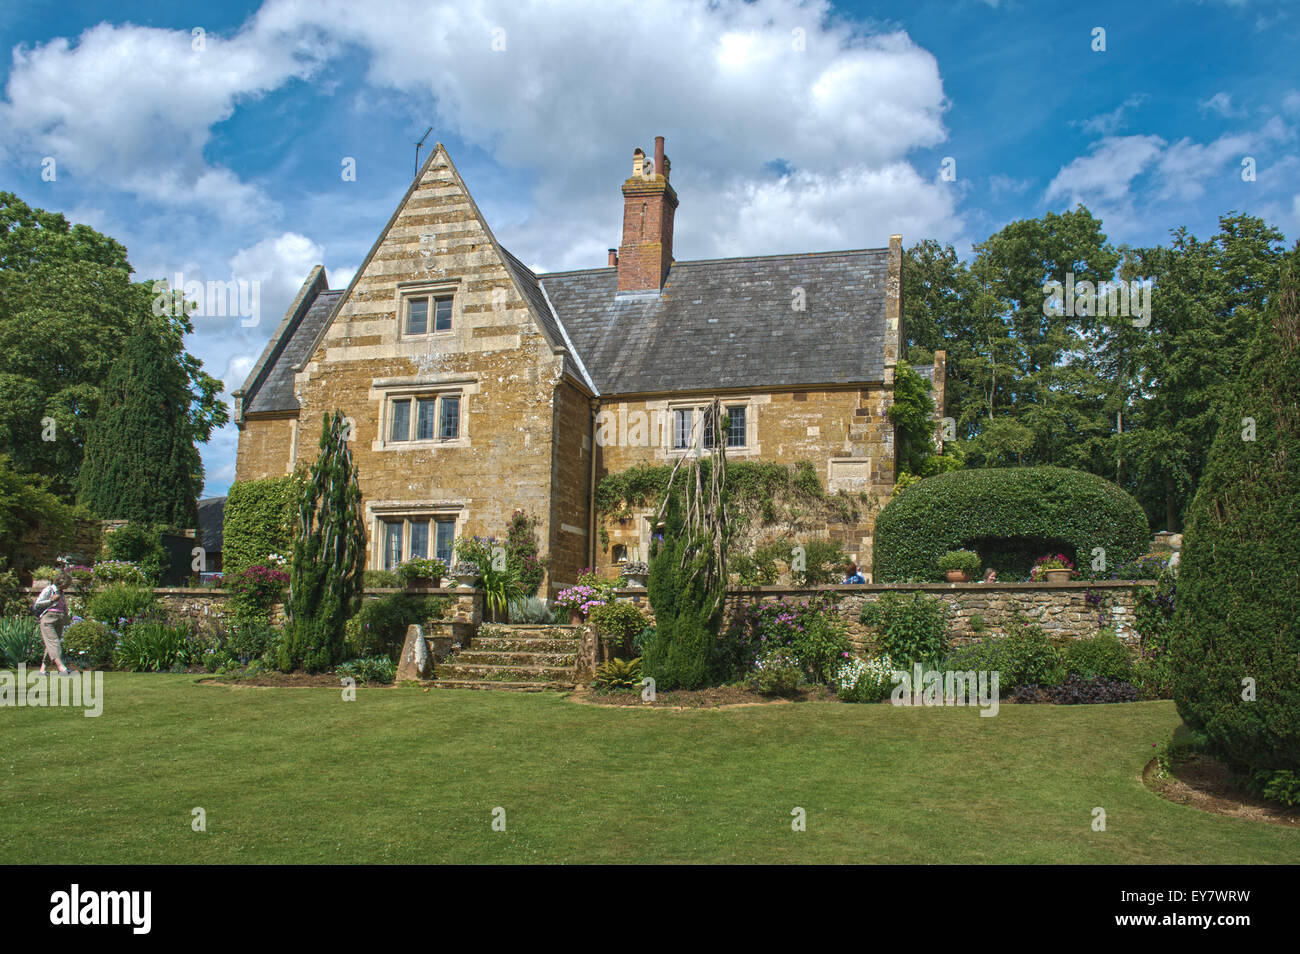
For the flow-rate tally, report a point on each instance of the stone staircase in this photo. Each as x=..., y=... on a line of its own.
x=524, y=657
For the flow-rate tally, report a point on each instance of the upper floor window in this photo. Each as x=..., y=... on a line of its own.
x=694, y=425
x=424, y=417
x=425, y=313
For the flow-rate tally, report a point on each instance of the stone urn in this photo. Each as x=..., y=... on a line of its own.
x=465, y=575
x=634, y=575
x=1057, y=576
x=957, y=576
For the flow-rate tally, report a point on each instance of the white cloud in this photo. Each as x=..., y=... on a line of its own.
x=1220, y=103
x=1107, y=171
x=1107, y=124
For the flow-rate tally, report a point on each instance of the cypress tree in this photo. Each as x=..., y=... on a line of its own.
x=329, y=552
x=140, y=461
x=1237, y=613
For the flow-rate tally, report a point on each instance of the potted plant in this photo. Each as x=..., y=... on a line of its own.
x=1054, y=568
x=578, y=601
x=960, y=566
x=419, y=573
x=635, y=573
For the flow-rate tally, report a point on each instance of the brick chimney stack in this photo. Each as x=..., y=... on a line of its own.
x=649, y=203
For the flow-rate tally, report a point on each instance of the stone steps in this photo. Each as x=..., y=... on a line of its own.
x=528, y=658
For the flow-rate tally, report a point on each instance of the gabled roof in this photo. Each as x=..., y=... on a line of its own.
x=731, y=323
x=269, y=386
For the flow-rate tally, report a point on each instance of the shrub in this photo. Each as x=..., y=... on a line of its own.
x=810, y=629
x=258, y=521
x=138, y=544
x=912, y=627
x=152, y=647
x=581, y=598
x=522, y=555
x=869, y=680
x=120, y=602
x=91, y=641
x=256, y=590
x=1277, y=785
x=777, y=673
x=760, y=568
x=369, y=669
x=380, y=579
x=1075, y=690
x=618, y=674
x=1238, y=611
x=531, y=609
x=11, y=595
x=966, y=561
x=119, y=571
x=823, y=562
x=619, y=623
x=20, y=640
x=1101, y=656
x=418, y=568
x=1153, y=620
x=1025, y=656
x=251, y=640
x=977, y=624
x=379, y=628
x=977, y=509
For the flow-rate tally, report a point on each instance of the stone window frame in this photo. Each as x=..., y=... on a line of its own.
x=381, y=513
x=388, y=391
x=696, y=407
x=432, y=290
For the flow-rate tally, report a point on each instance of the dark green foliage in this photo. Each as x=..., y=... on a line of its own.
x=522, y=554
x=687, y=616
x=620, y=623
x=379, y=669
x=1278, y=785
x=911, y=627
x=11, y=598
x=120, y=602
x=379, y=627
x=141, y=463
x=824, y=562
x=967, y=509
x=1076, y=690
x=967, y=561
x=912, y=415
x=138, y=544
x=28, y=509
x=329, y=553
x=381, y=579
x=1238, y=610
x=152, y=647
x=89, y=643
x=777, y=673
x=249, y=641
x=1023, y=657
x=258, y=521
x=20, y=640
x=1153, y=619
x=1101, y=656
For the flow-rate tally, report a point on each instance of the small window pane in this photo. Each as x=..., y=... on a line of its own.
x=450, y=429
x=417, y=316
x=401, y=430
x=442, y=314
x=708, y=426
x=392, y=544
x=736, y=427
x=446, y=536
x=682, y=429
x=419, y=539
x=424, y=419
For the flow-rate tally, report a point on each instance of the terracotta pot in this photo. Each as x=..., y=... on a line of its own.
x=957, y=576
x=575, y=618
x=1057, y=576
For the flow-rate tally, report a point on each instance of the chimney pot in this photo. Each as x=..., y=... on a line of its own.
x=613, y=257
x=659, y=156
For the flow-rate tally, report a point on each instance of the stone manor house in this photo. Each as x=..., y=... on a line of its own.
x=476, y=387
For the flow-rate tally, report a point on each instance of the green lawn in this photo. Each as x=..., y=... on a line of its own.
x=399, y=775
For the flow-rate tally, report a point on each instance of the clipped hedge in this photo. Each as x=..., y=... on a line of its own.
x=976, y=509
x=258, y=521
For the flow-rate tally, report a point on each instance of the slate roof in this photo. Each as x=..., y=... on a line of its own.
x=212, y=513
x=272, y=390
x=728, y=323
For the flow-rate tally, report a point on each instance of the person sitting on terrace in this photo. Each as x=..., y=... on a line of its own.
x=851, y=574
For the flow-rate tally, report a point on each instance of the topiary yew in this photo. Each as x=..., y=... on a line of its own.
x=1237, y=617
x=1048, y=507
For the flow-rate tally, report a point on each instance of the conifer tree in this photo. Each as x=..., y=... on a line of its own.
x=329, y=550
x=140, y=462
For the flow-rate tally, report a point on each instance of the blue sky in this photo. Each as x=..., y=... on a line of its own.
x=791, y=126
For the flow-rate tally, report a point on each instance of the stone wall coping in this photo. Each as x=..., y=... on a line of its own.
x=223, y=591
x=851, y=588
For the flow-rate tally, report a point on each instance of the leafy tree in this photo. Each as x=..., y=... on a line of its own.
x=140, y=462
x=329, y=552
x=67, y=308
x=912, y=414
x=28, y=508
x=1238, y=606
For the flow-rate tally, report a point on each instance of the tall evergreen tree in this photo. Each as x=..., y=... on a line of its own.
x=140, y=462
x=329, y=552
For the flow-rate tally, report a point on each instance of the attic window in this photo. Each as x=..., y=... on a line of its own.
x=418, y=308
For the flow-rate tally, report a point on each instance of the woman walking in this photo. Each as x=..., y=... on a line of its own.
x=52, y=609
